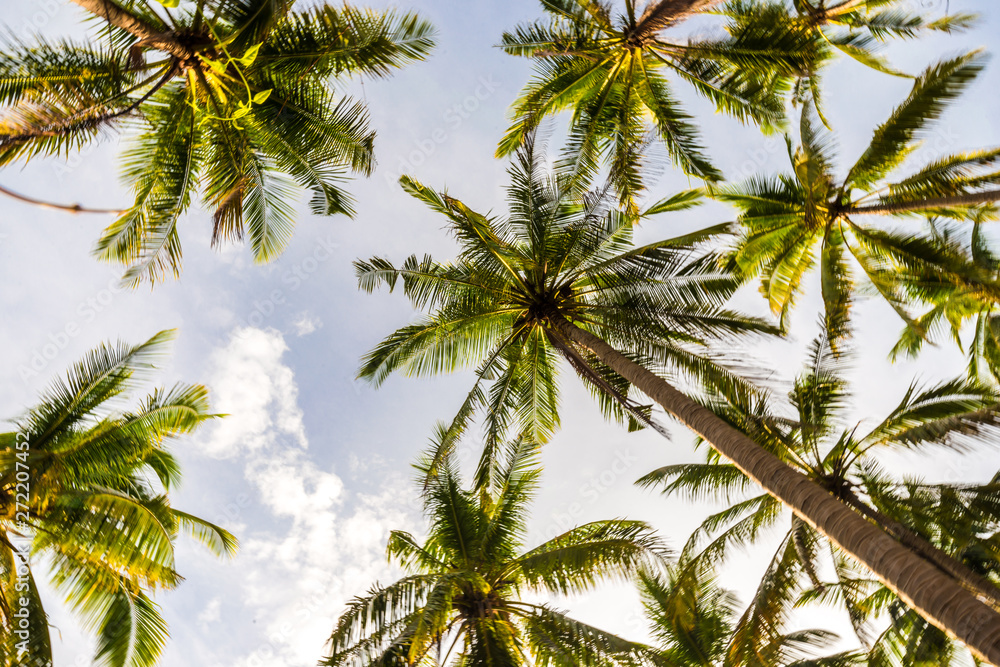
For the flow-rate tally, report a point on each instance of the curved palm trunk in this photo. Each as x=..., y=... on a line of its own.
x=985, y=197
x=147, y=34
x=935, y=595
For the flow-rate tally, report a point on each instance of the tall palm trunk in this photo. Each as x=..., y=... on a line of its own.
x=971, y=199
x=148, y=35
x=936, y=596
x=975, y=582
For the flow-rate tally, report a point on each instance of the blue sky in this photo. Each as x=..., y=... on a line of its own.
x=311, y=469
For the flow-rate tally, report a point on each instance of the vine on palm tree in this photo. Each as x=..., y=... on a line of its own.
x=87, y=486
x=230, y=99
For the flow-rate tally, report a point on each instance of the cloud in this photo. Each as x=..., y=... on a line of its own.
x=212, y=612
x=322, y=543
x=258, y=393
x=305, y=324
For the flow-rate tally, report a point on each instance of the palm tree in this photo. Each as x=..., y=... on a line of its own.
x=794, y=221
x=85, y=487
x=560, y=275
x=951, y=526
x=697, y=623
x=229, y=98
x=612, y=72
x=460, y=598
x=855, y=28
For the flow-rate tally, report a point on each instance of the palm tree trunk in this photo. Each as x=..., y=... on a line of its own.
x=971, y=199
x=147, y=34
x=974, y=582
x=935, y=595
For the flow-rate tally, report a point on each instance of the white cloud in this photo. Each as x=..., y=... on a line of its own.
x=329, y=544
x=212, y=613
x=305, y=324
x=257, y=391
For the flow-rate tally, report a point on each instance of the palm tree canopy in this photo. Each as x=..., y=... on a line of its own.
x=953, y=524
x=559, y=253
x=462, y=583
x=855, y=28
x=231, y=99
x=612, y=71
x=792, y=222
x=97, y=507
x=697, y=623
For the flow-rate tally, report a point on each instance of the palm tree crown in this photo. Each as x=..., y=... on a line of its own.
x=459, y=601
x=234, y=101
x=697, y=623
x=96, y=507
x=792, y=221
x=611, y=70
x=559, y=255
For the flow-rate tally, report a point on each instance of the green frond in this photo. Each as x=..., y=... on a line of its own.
x=560, y=641
x=956, y=414
x=133, y=633
x=328, y=40
x=218, y=540
x=698, y=481
x=162, y=168
x=581, y=557
x=933, y=90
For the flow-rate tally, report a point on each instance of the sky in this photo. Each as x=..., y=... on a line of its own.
x=311, y=469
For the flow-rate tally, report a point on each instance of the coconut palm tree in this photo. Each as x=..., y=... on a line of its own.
x=559, y=254
x=952, y=526
x=697, y=623
x=560, y=276
x=612, y=71
x=792, y=222
x=460, y=601
x=231, y=99
x=84, y=490
x=855, y=28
